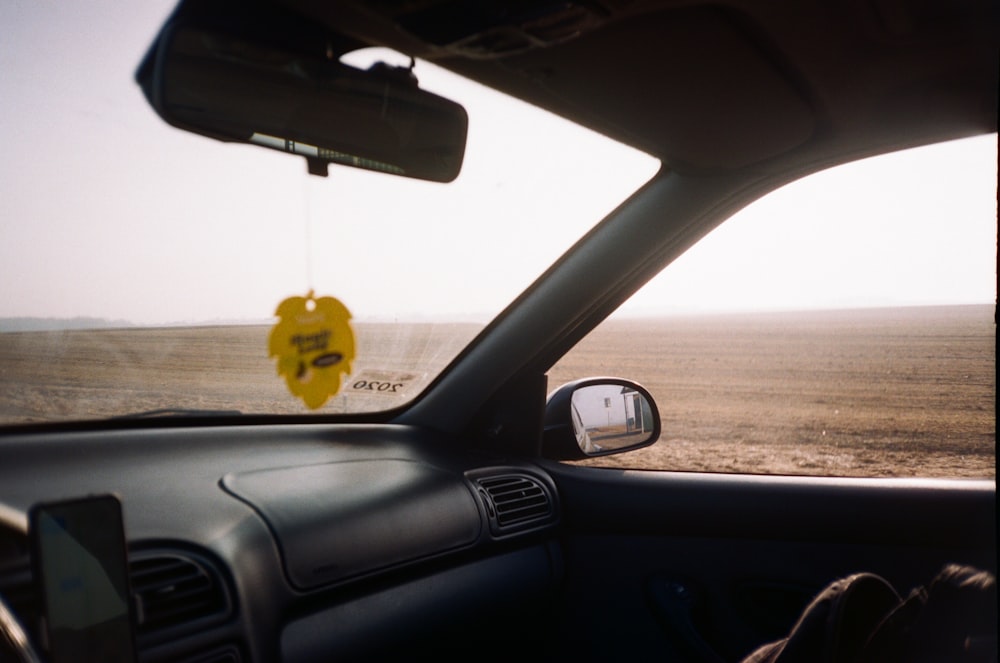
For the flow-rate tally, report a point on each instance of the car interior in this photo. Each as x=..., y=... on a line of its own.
x=457, y=524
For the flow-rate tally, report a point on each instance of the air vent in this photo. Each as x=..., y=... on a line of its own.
x=175, y=590
x=173, y=593
x=515, y=501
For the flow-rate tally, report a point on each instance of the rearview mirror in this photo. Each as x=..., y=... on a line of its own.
x=236, y=81
x=599, y=417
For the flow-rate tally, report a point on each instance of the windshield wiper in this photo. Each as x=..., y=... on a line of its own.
x=175, y=412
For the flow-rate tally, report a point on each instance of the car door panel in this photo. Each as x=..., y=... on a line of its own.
x=670, y=563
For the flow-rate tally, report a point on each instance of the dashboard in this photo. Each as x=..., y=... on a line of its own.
x=298, y=542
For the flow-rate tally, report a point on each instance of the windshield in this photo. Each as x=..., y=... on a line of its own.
x=142, y=267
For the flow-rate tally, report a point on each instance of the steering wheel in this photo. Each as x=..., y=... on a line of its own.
x=14, y=639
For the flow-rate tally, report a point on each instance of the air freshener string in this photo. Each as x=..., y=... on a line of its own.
x=307, y=231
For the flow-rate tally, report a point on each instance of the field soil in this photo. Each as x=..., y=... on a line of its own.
x=88, y=374
x=890, y=392
x=893, y=392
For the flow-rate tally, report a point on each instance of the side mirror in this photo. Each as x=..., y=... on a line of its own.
x=250, y=73
x=598, y=417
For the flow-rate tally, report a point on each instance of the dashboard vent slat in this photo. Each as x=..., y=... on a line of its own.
x=515, y=501
x=171, y=590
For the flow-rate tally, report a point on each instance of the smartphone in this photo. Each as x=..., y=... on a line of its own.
x=79, y=557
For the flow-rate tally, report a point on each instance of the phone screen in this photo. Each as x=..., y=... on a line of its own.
x=79, y=557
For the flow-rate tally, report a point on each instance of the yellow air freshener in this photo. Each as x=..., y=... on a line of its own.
x=314, y=346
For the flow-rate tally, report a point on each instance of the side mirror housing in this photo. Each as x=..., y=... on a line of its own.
x=598, y=417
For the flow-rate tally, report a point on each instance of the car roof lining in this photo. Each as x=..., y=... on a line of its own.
x=726, y=113
x=723, y=85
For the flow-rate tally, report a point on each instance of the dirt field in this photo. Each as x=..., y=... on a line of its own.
x=59, y=375
x=900, y=392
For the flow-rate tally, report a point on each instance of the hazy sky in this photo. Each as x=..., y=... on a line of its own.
x=908, y=228
x=108, y=212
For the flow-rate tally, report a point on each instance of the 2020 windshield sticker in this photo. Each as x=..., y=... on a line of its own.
x=313, y=344
x=384, y=383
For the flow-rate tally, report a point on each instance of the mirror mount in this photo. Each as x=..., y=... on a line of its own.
x=318, y=167
x=596, y=417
